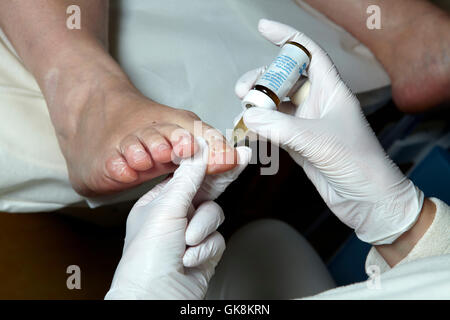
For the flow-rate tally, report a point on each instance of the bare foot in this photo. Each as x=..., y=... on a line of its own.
x=417, y=59
x=114, y=138
x=111, y=136
x=413, y=45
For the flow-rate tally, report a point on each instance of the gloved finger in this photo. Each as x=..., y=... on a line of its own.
x=203, y=272
x=247, y=81
x=153, y=193
x=321, y=66
x=137, y=214
x=187, y=179
x=213, y=185
x=281, y=129
x=211, y=249
x=205, y=220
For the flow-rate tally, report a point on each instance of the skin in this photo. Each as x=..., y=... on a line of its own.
x=111, y=136
x=413, y=45
x=420, y=74
x=398, y=250
x=114, y=138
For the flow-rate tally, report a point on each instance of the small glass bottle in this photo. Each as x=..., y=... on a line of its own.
x=276, y=82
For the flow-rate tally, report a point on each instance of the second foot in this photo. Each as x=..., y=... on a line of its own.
x=122, y=139
x=417, y=60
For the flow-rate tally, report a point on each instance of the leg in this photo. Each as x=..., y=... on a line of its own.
x=268, y=259
x=413, y=45
x=112, y=136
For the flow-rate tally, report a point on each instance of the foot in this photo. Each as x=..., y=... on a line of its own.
x=114, y=138
x=417, y=61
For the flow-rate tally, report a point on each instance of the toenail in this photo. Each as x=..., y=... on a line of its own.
x=163, y=147
x=159, y=146
x=137, y=151
x=118, y=165
x=139, y=155
x=184, y=140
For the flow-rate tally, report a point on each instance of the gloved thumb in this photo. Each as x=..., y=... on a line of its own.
x=214, y=185
x=280, y=128
x=186, y=181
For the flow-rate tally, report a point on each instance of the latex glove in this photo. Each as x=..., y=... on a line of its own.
x=331, y=139
x=171, y=249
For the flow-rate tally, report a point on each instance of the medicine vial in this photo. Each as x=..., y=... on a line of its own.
x=275, y=83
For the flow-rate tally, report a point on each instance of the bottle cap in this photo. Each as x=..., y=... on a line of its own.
x=256, y=98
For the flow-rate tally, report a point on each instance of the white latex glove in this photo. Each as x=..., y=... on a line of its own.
x=331, y=139
x=171, y=249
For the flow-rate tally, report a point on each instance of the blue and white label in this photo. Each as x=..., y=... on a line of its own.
x=285, y=70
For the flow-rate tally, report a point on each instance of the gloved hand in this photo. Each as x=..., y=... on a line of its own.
x=156, y=262
x=331, y=139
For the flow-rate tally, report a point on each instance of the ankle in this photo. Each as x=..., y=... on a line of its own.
x=70, y=90
x=415, y=26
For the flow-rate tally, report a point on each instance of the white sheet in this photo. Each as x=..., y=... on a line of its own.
x=186, y=54
x=424, y=279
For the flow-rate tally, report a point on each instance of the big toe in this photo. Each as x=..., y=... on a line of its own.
x=222, y=157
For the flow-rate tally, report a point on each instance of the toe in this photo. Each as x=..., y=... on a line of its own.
x=118, y=169
x=221, y=161
x=222, y=156
x=135, y=154
x=182, y=141
x=157, y=144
